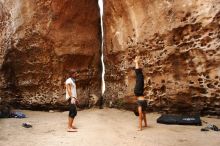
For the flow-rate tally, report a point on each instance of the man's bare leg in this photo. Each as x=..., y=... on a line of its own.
x=140, y=117
x=73, y=127
x=145, y=119
x=70, y=122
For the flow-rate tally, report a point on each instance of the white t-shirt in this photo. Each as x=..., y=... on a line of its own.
x=73, y=88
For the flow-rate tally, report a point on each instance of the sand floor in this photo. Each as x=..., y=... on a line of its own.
x=106, y=127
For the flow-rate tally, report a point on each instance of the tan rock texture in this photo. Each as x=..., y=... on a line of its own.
x=40, y=41
x=179, y=45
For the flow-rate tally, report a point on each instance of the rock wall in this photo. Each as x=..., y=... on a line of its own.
x=178, y=41
x=41, y=40
x=179, y=45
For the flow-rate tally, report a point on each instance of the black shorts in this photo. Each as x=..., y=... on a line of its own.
x=72, y=110
x=143, y=104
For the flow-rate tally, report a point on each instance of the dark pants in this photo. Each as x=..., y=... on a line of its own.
x=139, y=90
x=139, y=86
x=72, y=110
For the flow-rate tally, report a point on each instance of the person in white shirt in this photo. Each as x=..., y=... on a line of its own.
x=71, y=97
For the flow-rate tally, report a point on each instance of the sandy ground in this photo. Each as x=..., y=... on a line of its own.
x=106, y=127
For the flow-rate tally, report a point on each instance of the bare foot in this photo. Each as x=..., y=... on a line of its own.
x=71, y=130
x=139, y=129
x=73, y=127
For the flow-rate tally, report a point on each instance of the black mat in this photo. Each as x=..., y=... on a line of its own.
x=180, y=119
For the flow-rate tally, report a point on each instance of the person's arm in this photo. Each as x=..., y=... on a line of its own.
x=74, y=86
x=137, y=58
x=68, y=87
x=69, y=90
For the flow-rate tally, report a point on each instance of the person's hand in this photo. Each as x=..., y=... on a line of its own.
x=73, y=100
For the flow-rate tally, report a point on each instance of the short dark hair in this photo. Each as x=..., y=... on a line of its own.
x=72, y=71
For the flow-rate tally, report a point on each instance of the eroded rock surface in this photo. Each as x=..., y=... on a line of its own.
x=40, y=41
x=179, y=44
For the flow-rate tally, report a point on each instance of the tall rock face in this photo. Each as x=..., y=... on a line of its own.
x=179, y=45
x=40, y=41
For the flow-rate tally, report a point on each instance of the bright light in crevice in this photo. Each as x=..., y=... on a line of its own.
x=102, y=42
